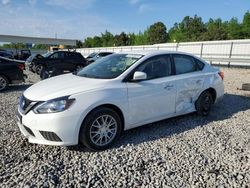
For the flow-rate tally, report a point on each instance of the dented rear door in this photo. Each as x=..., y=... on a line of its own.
x=189, y=87
x=189, y=81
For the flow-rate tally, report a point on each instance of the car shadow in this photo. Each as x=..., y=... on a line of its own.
x=225, y=109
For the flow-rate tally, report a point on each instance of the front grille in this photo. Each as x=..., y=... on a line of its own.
x=51, y=136
x=26, y=105
x=29, y=130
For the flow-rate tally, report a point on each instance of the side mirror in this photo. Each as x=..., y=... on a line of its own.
x=138, y=75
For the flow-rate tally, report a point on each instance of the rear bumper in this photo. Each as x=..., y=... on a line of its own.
x=219, y=92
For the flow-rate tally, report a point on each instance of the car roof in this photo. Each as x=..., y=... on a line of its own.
x=105, y=52
x=154, y=52
x=13, y=60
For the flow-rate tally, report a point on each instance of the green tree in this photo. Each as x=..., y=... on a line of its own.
x=246, y=25
x=41, y=47
x=141, y=38
x=190, y=29
x=157, y=33
x=107, y=39
x=176, y=34
x=79, y=44
x=14, y=46
x=234, y=29
x=88, y=42
x=97, y=41
x=216, y=30
x=131, y=37
x=121, y=39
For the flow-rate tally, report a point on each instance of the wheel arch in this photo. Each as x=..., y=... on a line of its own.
x=113, y=107
x=110, y=106
x=212, y=91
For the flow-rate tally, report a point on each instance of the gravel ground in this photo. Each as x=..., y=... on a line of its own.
x=187, y=151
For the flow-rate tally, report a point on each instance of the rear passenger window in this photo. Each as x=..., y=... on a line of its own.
x=184, y=64
x=156, y=67
x=200, y=64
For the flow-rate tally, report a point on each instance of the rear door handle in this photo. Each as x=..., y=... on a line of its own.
x=198, y=81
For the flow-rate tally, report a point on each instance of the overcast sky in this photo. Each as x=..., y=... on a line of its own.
x=77, y=19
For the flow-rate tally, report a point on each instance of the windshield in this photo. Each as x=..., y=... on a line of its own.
x=91, y=55
x=30, y=57
x=109, y=67
x=47, y=54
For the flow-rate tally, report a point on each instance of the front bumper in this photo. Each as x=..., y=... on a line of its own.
x=60, y=129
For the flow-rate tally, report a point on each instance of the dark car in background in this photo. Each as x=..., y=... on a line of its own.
x=11, y=72
x=23, y=55
x=60, y=61
x=4, y=53
x=96, y=55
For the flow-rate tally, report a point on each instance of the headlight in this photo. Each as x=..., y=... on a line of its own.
x=53, y=106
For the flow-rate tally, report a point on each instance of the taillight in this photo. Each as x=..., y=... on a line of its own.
x=221, y=74
x=21, y=66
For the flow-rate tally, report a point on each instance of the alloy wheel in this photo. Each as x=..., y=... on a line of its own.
x=103, y=130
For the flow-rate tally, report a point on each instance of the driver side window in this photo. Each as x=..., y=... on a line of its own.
x=58, y=55
x=156, y=67
x=54, y=56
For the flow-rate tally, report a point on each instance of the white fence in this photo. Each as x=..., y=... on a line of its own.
x=230, y=52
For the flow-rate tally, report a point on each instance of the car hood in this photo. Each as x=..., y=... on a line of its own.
x=62, y=85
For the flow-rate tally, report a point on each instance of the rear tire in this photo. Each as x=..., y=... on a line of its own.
x=100, y=129
x=79, y=67
x=246, y=86
x=4, y=83
x=204, y=103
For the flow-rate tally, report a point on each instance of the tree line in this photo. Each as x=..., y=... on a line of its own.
x=190, y=29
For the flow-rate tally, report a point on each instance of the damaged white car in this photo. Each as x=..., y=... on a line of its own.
x=116, y=93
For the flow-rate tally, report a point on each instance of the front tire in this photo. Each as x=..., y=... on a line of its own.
x=204, y=103
x=4, y=83
x=100, y=129
x=39, y=69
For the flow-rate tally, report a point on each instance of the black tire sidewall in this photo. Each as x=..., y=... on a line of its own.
x=84, y=134
x=246, y=87
x=78, y=67
x=44, y=74
x=7, y=83
x=199, y=103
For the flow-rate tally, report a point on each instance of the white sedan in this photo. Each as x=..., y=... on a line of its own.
x=119, y=92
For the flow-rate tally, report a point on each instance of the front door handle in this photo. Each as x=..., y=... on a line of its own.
x=168, y=86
